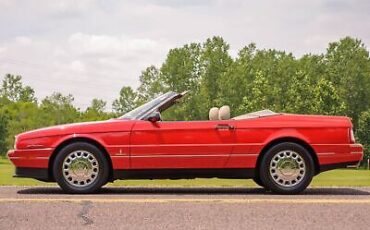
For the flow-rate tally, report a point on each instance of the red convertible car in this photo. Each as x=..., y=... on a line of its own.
x=281, y=152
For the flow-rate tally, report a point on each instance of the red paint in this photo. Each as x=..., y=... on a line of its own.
x=137, y=144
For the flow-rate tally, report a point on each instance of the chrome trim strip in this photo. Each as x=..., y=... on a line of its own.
x=327, y=144
x=245, y=155
x=35, y=146
x=29, y=158
x=193, y=155
x=326, y=154
x=194, y=145
x=43, y=149
x=15, y=158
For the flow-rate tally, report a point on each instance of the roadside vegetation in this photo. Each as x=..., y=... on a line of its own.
x=336, y=82
x=335, y=178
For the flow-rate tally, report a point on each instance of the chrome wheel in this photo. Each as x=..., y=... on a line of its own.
x=287, y=168
x=80, y=168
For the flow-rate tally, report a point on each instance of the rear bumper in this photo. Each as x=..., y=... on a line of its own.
x=338, y=155
x=328, y=167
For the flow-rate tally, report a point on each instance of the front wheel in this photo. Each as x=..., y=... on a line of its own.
x=81, y=168
x=287, y=168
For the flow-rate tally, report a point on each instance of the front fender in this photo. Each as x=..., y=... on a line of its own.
x=116, y=145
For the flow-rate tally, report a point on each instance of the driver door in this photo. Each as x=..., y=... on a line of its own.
x=181, y=144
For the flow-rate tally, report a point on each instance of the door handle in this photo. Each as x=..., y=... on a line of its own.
x=224, y=126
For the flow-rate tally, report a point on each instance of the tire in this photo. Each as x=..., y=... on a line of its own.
x=258, y=181
x=80, y=168
x=287, y=168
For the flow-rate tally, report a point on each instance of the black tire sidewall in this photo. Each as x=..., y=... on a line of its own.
x=101, y=179
x=265, y=167
x=258, y=181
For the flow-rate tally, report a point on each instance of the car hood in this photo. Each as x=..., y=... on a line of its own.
x=112, y=125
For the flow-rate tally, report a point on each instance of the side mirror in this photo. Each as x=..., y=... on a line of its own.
x=154, y=117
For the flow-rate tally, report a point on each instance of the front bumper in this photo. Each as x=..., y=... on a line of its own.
x=31, y=163
x=30, y=158
x=35, y=173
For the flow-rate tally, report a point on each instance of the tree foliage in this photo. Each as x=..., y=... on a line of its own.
x=348, y=67
x=336, y=82
x=126, y=101
x=59, y=109
x=3, y=132
x=13, y=89
x=363, y=132
x=96, y=111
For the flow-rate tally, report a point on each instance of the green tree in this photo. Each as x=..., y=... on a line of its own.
x=22, y=116
x=260, y=95
x=96, y=111
x=349, y=69
x=214, y=62
x=326, y=99
x=236, y=82
x=181, y=72
x=150, y=84
x=363, y=132
x=58, y=109
x=126, y=101
x=13, y=89
x=3, y=134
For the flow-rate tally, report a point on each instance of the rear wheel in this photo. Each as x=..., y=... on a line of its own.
x=287, y=168
x=81, y=168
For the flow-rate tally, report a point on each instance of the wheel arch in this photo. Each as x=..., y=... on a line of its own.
x=295, y=140
x=71, y=140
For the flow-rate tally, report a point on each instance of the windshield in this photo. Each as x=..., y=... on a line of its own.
x=143, y=109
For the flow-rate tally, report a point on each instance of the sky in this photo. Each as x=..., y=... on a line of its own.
x=92, y=48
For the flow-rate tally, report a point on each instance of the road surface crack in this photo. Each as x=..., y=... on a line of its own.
x=83, y=214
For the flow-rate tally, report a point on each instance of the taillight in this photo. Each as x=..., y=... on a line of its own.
x=352, y=136
x=15, y=142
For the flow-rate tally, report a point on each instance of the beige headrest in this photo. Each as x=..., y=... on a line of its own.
x=224, y=113
x=213, y=114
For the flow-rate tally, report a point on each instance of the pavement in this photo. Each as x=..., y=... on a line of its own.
x=184, y=208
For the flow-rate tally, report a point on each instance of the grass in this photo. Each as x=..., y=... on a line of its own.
x=334, y=178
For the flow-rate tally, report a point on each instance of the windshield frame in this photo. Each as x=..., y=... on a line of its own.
x=143, y=111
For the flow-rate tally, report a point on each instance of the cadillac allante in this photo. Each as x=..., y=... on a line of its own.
x=281, y=152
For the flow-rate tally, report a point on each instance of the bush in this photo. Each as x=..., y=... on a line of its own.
x=363, y=132
x=3, y=134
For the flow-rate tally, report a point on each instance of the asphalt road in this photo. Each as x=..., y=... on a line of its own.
x=184, y=208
